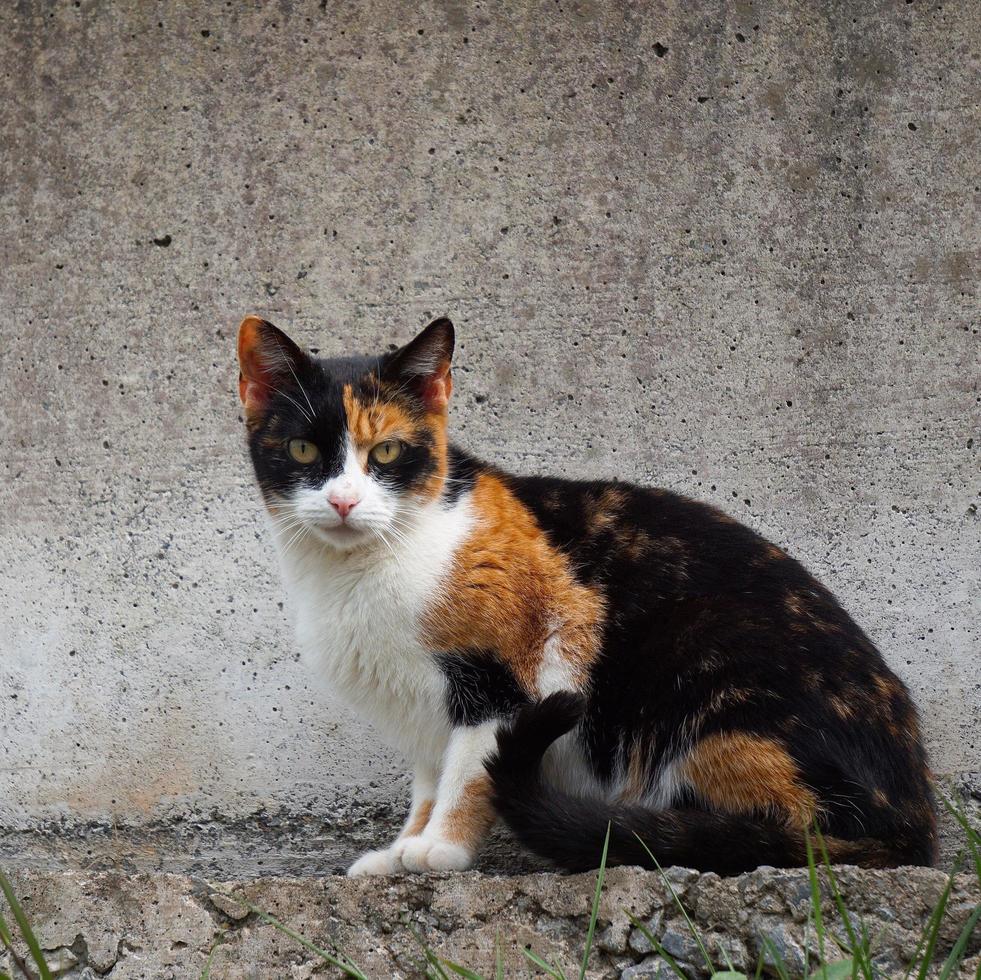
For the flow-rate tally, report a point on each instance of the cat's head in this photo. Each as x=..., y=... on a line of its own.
x=348, y=449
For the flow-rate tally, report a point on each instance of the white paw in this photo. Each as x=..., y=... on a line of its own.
x=398, y=849
x=433, y=854
x=382, y=862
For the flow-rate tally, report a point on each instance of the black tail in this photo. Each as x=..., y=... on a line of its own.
x=569, y=830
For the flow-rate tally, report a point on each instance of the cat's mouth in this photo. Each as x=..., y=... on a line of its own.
x=342, y=535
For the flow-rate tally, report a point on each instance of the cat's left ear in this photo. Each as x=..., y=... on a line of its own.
x=423, y=365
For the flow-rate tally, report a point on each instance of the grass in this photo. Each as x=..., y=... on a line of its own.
x=848, y=958
x=6, y=937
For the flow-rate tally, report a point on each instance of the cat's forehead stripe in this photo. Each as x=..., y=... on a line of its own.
x=371, y=417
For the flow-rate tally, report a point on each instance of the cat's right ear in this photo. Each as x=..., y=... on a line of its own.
x=268, y=362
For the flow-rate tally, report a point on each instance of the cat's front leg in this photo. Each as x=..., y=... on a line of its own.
x=387, y=860
x=463, y=814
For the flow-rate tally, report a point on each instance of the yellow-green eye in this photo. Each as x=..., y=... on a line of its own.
x=386, y=452
x=302, y=451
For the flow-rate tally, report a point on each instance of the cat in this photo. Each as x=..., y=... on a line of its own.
x=567, y=655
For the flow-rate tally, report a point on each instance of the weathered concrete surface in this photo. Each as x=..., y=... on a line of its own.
x=726, y=248
x=165, y=926
x=297, y=845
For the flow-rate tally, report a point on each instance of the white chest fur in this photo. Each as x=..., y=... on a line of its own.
x=359, y=616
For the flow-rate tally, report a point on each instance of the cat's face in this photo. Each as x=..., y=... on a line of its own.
x=347, y=449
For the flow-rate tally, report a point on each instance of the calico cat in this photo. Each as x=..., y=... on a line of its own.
x=567, y=654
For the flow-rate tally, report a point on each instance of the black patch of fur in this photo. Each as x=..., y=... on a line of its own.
x=311, y=406
x=570, y=831
x=478, y=687
x=461, y=475
x=711, y=629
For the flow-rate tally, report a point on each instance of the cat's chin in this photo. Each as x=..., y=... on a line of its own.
x=343, y=537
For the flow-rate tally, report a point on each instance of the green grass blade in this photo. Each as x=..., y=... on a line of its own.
x=7, y=940
x=431, y=958
x=498, y=959
x=206, y=972
x=25, y=928
x=957, y=953
x=807, y=940
x=461, y=971
x=973, y=836
x=859, y=951
x=839, y=970
x=684, y=912
x=434, y=962
x=553, y=971
x=778, y=963
x=344, y=964
x=919, y=946
x=5, y=976
x=594, y=913
x=728, y=975
x=657, y=947
x=815, y=897
x=928, y=941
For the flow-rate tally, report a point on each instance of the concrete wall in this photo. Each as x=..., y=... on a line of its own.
x=729, y=248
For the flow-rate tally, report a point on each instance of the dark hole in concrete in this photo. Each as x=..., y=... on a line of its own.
x=163, y=241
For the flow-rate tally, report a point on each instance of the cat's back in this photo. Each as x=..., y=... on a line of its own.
x=664, y=542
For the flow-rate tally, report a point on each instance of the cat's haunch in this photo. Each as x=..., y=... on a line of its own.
x=567, y=654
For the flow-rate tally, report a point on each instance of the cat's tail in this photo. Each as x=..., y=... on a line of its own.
x=569, y=830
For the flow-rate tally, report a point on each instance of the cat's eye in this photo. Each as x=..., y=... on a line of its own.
x=302, y=451
x=386, y=452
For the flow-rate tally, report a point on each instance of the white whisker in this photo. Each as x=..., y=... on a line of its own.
x=289, y=364
x=301, y=409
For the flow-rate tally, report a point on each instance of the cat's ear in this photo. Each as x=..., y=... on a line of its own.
x=423, y=365
x=268, y=362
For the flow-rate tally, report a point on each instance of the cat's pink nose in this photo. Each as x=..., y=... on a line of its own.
x=343, y=505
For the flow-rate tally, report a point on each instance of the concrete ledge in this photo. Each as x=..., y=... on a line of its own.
x=297, y=841
x=164, y=926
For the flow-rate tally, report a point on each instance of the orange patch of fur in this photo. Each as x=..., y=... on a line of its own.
x=470, y=821
x=604, y=511
x=636, y=543
x=796, y=605
x=419, y=820
x=841, y=707
x=372, y=422
x=635, y=784
x=253, y=382
x=887, y=687
x=510, y=591
x=740, y=773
